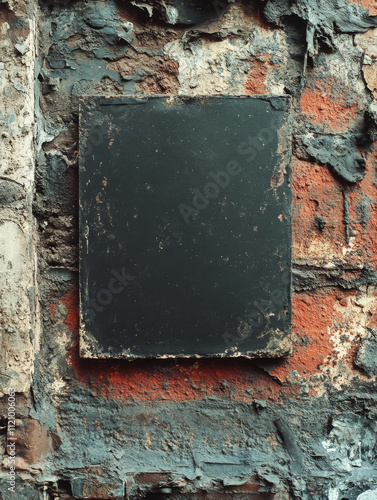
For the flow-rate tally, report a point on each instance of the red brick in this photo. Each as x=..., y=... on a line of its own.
x=326, y=103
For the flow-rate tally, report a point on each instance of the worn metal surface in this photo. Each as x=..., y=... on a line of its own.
x=185, y=227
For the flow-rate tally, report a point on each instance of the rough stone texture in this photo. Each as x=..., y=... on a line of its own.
x=302, y=427
x=366, y=357
x=18, y=295
x=368, y=43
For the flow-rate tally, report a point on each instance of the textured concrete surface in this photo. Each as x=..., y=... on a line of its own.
x=302, y=427
x=18, y=301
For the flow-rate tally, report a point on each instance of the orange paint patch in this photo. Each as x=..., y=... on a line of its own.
x=256, y=82
x=71, y=301
x=52, y=308
x=331, y=109
x=173, y=380
x=367, y=4
x=318, y=199
x=313, y=315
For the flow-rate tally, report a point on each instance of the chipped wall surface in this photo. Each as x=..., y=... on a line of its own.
x=18, y=300
x=299, y=427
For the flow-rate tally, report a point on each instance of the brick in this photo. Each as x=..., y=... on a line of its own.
x=33, y=442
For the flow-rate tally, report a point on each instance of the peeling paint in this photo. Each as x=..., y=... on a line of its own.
x=303, y=427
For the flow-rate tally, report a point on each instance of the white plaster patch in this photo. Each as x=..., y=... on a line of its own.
x=333, y=493
x=368, y=495
x=208, y=67
x=171, y=14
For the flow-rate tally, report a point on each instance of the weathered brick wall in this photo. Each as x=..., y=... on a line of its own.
x=303, y=427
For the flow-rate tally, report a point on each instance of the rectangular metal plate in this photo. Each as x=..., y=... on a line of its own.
x=185, y=226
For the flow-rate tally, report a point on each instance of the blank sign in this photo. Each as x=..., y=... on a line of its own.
x=185, y=227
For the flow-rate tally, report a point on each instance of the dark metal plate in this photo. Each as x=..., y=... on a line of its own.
x=185, y=227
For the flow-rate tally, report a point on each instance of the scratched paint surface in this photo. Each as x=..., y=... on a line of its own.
x=185, y=227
